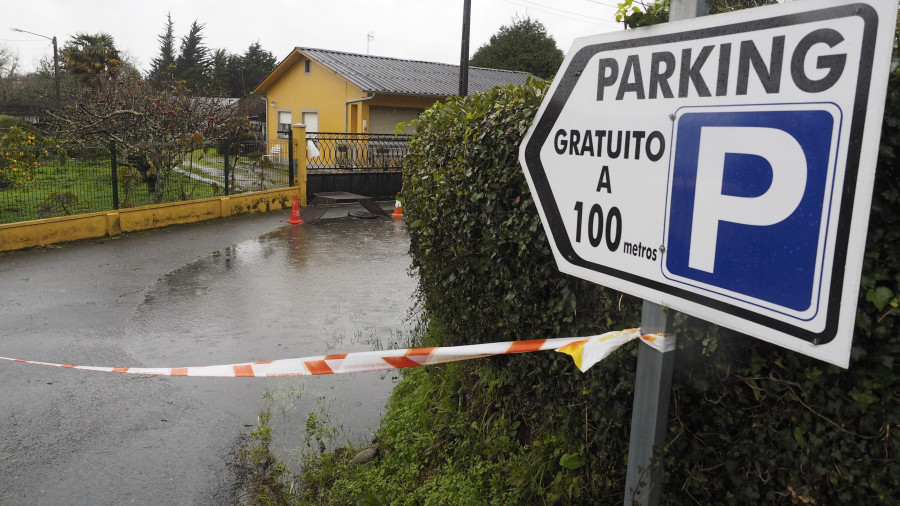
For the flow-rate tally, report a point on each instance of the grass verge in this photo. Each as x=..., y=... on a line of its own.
x=446, y=438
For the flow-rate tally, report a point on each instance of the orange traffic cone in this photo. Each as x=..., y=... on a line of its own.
x=398, y=209
x=295, y=212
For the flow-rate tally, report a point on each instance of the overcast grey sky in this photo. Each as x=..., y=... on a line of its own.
x=412, y=29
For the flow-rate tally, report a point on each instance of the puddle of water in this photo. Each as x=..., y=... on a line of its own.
x=341, y=285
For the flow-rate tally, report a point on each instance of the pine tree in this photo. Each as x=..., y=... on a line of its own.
x=220, y=72
x=163, y=68
x=255, y=65
x=192, y=65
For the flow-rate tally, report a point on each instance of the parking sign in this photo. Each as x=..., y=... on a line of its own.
x=722, y=166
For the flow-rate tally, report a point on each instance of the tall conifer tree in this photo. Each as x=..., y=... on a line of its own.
x=164, y=65
x=193, y=63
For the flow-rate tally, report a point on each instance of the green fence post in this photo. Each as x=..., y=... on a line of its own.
x=227, y=149
x=115, y=174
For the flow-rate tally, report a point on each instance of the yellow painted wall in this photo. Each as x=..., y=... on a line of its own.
x=325, y=91
x=28, y=234
x=321, y=90
x=383, y=100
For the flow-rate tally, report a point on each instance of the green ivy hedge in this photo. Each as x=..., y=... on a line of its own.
x=484, y=263
x=750, y=423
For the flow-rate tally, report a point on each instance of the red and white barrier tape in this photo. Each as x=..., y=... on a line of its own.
x=586, y=351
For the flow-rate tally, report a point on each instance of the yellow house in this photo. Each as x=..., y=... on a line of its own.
x=333, y=91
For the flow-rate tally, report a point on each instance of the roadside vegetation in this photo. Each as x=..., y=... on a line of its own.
x=61, y=165
x=750, y=423
x=38, y=179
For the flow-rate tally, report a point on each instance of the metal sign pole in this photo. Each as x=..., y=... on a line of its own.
x=650, y=412
x=653, y=378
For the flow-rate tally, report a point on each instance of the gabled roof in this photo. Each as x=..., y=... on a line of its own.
x=380, y=74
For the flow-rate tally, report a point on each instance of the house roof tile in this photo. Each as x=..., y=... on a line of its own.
x=379, y=74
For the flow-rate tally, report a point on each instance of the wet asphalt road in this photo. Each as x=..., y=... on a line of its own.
x=236, y=290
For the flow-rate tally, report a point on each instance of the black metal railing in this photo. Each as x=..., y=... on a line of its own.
x=355, y=152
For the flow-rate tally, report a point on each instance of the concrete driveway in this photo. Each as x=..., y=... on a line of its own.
x=234, y=290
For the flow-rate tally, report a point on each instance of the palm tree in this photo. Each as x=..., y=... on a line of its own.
x=93, y=59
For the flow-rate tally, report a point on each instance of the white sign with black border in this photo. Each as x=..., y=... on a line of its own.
x=722, y=166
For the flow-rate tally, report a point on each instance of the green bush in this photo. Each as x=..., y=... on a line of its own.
x=484, y=263
x=487, y=274
x=750, y=422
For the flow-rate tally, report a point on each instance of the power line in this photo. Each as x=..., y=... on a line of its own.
x=567, y=14
x=562, y=10
x=614, y=6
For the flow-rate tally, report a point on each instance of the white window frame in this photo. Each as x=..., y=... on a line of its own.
x=278, y=124
x=303, y=119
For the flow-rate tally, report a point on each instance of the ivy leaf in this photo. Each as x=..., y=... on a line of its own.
x=880, y=296
x=571, y=461
x=800, y=437
x=863, y=399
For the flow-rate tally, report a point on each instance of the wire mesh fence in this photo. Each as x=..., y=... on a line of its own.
x=87, y=181
x=96, y=180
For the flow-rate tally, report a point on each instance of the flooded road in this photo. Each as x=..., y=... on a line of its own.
x=237, y=290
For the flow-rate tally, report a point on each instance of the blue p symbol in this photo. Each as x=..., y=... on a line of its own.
x=747, y=194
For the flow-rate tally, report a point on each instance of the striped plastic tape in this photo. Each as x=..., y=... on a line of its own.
x=585, y=351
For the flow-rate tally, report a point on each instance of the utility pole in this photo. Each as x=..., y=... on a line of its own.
x=55, y=59
x=464, y=56
x=56, y=71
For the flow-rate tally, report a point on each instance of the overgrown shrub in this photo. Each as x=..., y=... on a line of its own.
x=484, y=263
x=750, y=423
x=487, y=274
x=21, y=154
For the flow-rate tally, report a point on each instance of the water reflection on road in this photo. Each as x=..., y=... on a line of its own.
x=341, y=285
